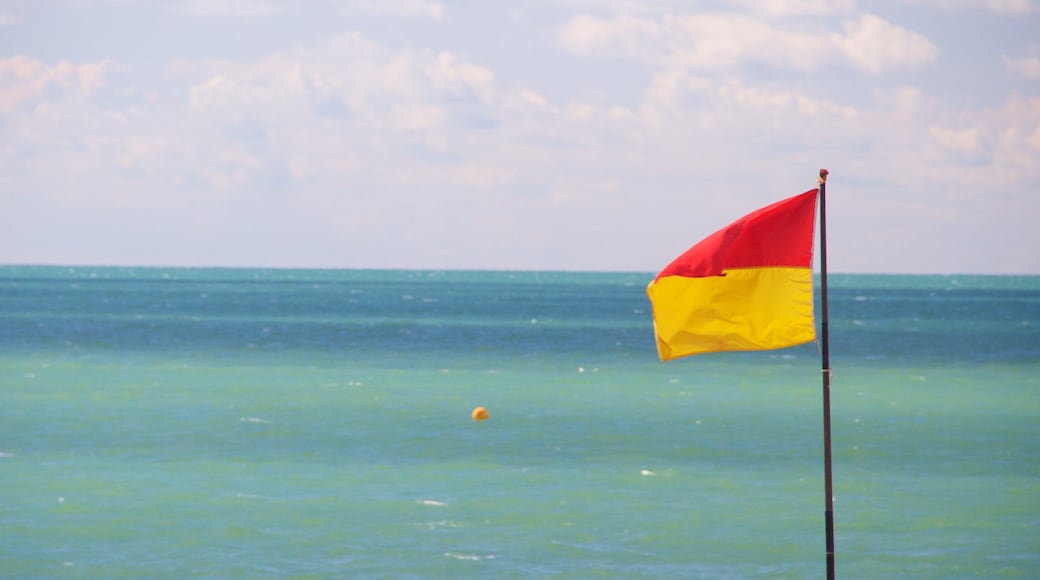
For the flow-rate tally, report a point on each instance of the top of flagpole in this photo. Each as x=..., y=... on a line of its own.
x=822, y=178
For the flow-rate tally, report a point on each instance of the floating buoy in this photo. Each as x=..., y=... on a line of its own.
x=480, y=414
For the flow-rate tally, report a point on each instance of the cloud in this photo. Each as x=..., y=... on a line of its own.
x=904, y=100
x=785, y=8
x=309, y=152
x=453, y=75
x=25, y=82
x=393, y=8
x=621, y=36
x=759, y=98
x=229, y=8
x=351, y=76
x=8, y=18
x=874, y=45
x=965, y=142
x=985, y=149
x=346, y=110
x=1027, y=67
x=246, y=91
x=773, y=8
x=995, y=6
x=533, y=98
x=724, y=41
x=671, y=90
x=1012, y=6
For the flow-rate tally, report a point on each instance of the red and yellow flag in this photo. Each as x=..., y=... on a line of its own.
x=748, y=286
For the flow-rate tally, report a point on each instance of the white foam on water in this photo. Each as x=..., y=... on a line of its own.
x=440, y=524
x=470, y=557
x=242, y=495
x=432, y=502
x=647, y=472
x=253, y=420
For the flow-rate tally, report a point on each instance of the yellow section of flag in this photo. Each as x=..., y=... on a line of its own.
x=746, y=309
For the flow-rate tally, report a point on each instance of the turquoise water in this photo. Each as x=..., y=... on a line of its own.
x=313, y=424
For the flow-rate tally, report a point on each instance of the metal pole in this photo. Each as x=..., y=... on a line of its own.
x=826, y=371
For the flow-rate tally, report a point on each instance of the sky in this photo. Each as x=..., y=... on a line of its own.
x=588, y=135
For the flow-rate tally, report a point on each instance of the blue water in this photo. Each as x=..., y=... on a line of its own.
x=167, y=423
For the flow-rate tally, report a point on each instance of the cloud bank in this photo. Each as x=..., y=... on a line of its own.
x=408, y=136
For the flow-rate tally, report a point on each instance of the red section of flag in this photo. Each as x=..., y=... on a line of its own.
x=778, y=235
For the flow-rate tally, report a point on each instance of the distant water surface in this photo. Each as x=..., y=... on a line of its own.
x=166, y=423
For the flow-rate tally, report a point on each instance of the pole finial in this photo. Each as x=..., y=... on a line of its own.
x=822, y=179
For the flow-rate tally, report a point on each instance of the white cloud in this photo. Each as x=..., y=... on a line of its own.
x=736, y=99
x=393, y=8
x=798, y=7
x=1016, y=127
x=986, y=149
x=965, y=141
x=27, y=82
x=8, y=18
x=404, y=9
x=800, y=104
x=774, y=8
x=1034, y=139
x=904, y=100
x=494, y=162
x=533, y=98
x=723, y=41
x=353, y=77
x=995, y=6
x=1027, y=67
x=481, y=176
x=229, y=8
x=452, y=74
x=1012, y=6
x=344, y=110
x=621, y=36
x=875, y=45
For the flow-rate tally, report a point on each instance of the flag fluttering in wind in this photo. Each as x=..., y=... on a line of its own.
x=748, y=286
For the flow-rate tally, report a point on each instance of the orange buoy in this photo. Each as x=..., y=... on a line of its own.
x=480, y=414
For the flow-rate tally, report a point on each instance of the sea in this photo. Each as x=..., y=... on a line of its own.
x=281, y=423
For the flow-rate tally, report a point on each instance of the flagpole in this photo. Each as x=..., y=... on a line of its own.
x=826, y=372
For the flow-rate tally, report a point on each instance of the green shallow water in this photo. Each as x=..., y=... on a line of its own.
x=147, y=430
